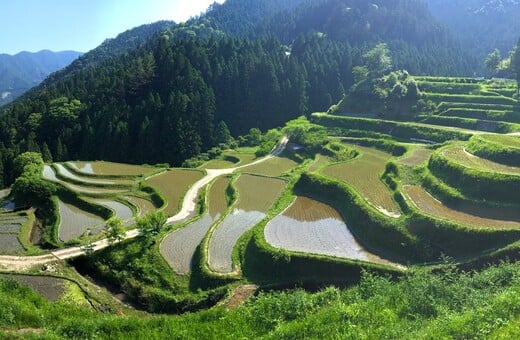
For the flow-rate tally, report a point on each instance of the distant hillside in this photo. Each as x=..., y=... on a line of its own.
x=110, y=48
x=482, y=25
x=24, y=70
x=158, y=93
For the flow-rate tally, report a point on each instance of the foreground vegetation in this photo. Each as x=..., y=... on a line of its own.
x=421, y=304
x=424, y=193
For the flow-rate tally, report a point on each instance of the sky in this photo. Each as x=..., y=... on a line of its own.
x=81, y=25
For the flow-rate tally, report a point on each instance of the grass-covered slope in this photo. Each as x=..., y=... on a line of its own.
x=420, y=305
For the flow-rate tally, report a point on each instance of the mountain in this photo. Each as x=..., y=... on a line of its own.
x=158, y=93
x=111, y=48
x=482, y=25
x=24, y=70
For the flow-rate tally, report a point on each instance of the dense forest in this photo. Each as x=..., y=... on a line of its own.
x=158, y=93
x=481, y=25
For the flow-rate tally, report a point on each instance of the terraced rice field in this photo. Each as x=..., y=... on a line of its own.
x=173, y=184
x=74, y=221
x=10, y=226
x=428, y=204
x=511, y=141
x=319, y=162
x=273, y=167
x=218, y=164
x=459, y=155
x=244, y=157
x=50, y=288
x=121, y=210
x=310, y=226
x=9, y=244
x=50, y=175
x=363, y=174
x=417, y=156
x=112, y=169
x=145, y=206
x=255, y=197
x=62, y=170
x=179, y=247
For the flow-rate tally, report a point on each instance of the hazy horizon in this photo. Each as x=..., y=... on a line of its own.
x=82, y=25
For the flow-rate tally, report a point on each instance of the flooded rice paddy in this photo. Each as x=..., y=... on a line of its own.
x=313, y=227
x=10, y=226
x=144, y=206
x=431, y=206
x=50, y=175
x=459, y=155
x=173, y=184
x=273, y=167
x=179, y=247
x=62, y=170
x=121, y=210
x=74, y=222
x=51, y=288
x=416, y=157
x=363, y=175
x=112, y=169
x=255, y=197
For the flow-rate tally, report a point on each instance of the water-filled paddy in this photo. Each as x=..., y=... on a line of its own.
x=363, y=174
x=62, y=170
x=173, y=184
x=218, y=164
x=50, y=288
x=179, y=247
x=274, y=166
x=244, y=157
x=10, y=228
x=428, y=204
x=121, y=210
x=74, y=221
x=145, y=206
x=319, y=162
x=112, y=169
x=50, y=175
x=313, y=227
x=9, y=244
x=255, y=197
x=15, y=219
x=417, y=156
x=459, y=155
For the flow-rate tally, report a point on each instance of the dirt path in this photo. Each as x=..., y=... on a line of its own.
x=189, y=204
x=240, y=295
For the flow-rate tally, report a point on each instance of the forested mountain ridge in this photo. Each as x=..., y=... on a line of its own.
x=418, y=42
x=20, y=72
x=481, y=25
x=111, y=48
x=162, y=97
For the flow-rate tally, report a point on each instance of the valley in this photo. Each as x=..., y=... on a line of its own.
x=298, y=170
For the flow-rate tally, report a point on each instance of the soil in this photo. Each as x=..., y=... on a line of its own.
x=240, y=295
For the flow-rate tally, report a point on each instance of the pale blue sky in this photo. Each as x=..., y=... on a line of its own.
x=81, y=25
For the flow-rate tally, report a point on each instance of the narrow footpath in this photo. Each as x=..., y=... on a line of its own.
x=189, y=204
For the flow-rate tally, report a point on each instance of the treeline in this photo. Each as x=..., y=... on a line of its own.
x=418, y=42
x=163, y=98
x=162, y=102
